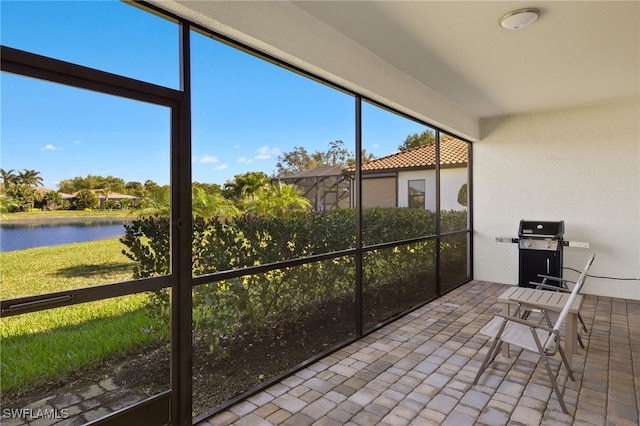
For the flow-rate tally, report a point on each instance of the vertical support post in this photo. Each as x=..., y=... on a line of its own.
x=438, y=216
x=181, y=230
x=469, y=210
x=358, y=210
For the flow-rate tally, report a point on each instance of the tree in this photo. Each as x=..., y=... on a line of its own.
x=275, y=200
x=92, y=182
x=30, y=178
x=104, y=192
x=209, y=188
x=135, y=188
x=337, y=154
x=300, y=160
x=126, y=203
x=70, y=186
x=462, y=195
x=245, y=185
x=211, y=205
x=295, y=161
x=112, y=205
x=8, y=178
x=157, y=200
x=415, y=140
x=6, y=204
x=85, y=199
x=52, y=200
x=23, y=197
x=154, y=206
x=153, y=190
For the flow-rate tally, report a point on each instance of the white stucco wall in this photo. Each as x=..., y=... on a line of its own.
x=450, y=182
x=581, y=165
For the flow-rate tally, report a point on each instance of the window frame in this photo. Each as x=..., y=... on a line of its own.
x=411, y=202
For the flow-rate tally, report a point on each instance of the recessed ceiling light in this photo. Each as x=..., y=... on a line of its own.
x=519, y=18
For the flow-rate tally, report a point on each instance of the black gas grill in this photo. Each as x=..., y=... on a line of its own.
x=540, y=245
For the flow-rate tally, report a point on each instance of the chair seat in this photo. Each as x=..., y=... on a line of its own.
x=515, y=334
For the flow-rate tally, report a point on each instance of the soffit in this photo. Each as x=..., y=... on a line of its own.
x=577, y=53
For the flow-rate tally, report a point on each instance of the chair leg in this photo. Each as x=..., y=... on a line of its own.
x=566, y=363
x=584, y=327
x=491, y=355
x=580, y=341
x=497, y=351
x=554, y=383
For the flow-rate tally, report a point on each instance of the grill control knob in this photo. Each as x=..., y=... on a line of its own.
x=547, y=245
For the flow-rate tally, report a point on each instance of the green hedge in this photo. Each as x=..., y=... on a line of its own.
x=224, y=308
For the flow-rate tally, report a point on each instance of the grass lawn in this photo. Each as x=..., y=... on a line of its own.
x=64, y=214
x=48, y=345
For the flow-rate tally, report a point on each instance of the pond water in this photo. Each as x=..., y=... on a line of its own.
x=19, y=236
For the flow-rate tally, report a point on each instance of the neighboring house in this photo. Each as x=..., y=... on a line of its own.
x=63, y=195
x=113, y=196
x=325, y=187
x=403, y=179
x=408, y=178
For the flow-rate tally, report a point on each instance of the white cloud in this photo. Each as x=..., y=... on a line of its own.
x=221, y=167
x=49, y=147
x=245, y=160
x=76, y=142
x=266, y=152
x=206, y=159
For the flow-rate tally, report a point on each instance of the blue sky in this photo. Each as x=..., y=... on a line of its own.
x=246, y=111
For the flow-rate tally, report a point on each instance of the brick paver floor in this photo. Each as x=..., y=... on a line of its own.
x=83, y=405
x=419, y=370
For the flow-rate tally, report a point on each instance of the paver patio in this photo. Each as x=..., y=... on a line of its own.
x=419, y=370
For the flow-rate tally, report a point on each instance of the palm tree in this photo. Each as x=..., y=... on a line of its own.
x=245, y=185
x=212, y=205
x=159, y=205
x=276, y=200
x=30, y=178
x=6, y=204
x=8, y=178
x=104, y=193
x=52, y=200
x=23, y=196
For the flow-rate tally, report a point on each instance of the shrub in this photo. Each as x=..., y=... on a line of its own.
x=223, y=308
x=84, y=200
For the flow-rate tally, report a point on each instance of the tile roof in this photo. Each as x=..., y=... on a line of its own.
x=323, y=171
x=453, y=152
x=43, y=191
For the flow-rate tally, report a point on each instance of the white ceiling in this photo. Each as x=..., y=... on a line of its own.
x=578, y=53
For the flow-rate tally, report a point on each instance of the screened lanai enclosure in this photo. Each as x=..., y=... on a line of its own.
x=186, y=313
x=326, y=187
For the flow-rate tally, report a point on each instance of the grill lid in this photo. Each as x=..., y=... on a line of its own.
x=532, y=228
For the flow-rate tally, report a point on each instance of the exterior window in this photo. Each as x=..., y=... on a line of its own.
x=416, y=194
